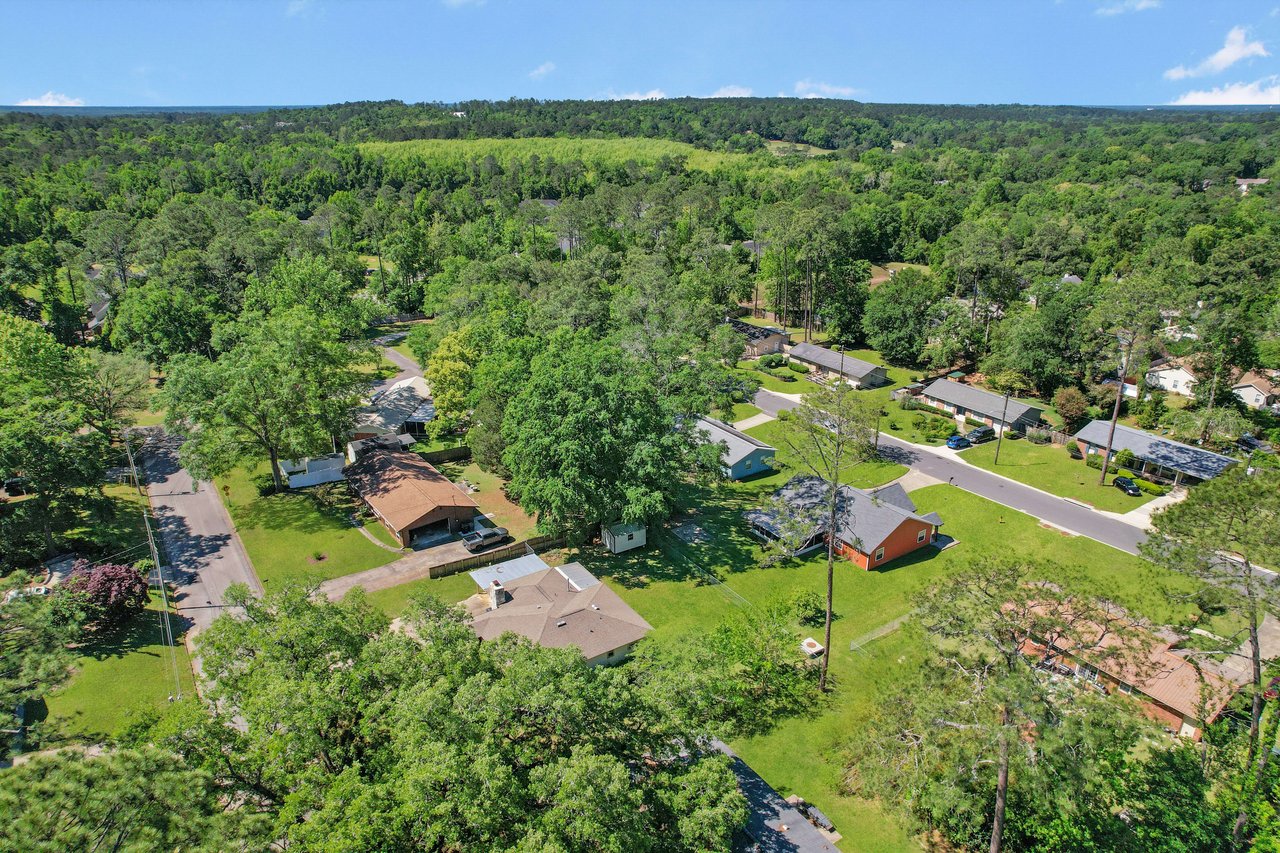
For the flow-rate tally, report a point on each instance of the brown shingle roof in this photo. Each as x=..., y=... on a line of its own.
x=402, y=487
x=560, y=607
x=1265, y=384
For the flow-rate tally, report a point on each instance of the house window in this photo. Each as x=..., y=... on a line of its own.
x=630, y=536
x=879, y=554
x=920, y=536
x=748, y=465
x=1087, y=672
x=1126, y=689
x=610, y=654
x=1175, y=383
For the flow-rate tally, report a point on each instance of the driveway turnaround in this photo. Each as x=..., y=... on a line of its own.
x=202, y=554
x=947, y=468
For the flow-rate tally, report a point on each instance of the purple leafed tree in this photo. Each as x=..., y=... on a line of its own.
x=113, y=591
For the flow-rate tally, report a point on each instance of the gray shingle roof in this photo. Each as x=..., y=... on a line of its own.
x=739, y=445
x=854, y=368
x=754, y=332
x=1195, y=461
x=863, y=518
x=982, y=402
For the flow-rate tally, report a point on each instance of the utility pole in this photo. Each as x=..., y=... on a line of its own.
x=1004, y=416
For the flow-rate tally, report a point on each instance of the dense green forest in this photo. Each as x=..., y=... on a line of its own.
x=577, y=260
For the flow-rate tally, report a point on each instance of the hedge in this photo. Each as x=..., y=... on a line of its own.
x=1151, y=488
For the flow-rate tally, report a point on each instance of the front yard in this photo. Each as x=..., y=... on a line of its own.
x=1048, y=467
x=116, y=676
x=296, y=535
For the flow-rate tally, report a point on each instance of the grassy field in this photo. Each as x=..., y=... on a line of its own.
x=607, y=152
x=1048, y=467
x=864, y=475
x=112, y=528
x=670, y=585
x=394, y=600
x=782, y=148
x=880, y=273
x=739, y=412
x=283, y=534
x=772, y=383
x=116, y=675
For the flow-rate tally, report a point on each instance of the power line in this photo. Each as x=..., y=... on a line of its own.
x=166, y=626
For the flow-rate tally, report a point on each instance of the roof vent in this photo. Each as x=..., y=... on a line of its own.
x=595, y=607
x=561, y=623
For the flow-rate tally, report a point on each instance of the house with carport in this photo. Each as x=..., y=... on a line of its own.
x=404, y=408
x=836, y=366
x=409, y=496
x=761, y=340
x=960, y=400
x=1157, y=458
x=873, y=528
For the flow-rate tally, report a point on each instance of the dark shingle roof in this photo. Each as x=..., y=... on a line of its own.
x=864, y=518
x=754, y=332
x=847, y=365
x=1195, y=461
x=982, y=402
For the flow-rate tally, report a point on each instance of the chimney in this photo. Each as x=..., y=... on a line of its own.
x=498, y=595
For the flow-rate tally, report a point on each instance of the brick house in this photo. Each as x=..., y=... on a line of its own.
x=873, y=528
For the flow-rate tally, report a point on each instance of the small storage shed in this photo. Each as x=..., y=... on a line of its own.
x=622, y=536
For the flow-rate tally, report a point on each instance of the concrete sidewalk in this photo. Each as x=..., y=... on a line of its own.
x=753, y=421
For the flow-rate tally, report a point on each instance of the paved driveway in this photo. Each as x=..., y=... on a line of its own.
x=203, y=556
x=415, y=566
x=944, y=466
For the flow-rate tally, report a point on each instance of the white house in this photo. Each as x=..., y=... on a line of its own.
x=1173, y=375
x=314, y=470
x=1258, y=390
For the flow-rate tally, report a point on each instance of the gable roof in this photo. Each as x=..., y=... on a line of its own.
x=980, y=401
x=739, y=445
x=406, y=400
x=1253, y=379
x=403, y=487
x=1172, y=363
x=864, y=519
x=560, y=607
x=1149, y=447
x=846, y=365
x=753, y=332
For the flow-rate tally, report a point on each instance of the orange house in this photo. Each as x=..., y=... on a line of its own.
x=873, y=528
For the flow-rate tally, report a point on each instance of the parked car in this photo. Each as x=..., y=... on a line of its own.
x=481, y=538
x=958, y=442
x=1128, y=486
x=16, y=486
x=977, y=435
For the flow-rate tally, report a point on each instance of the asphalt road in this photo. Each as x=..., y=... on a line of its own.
x=943, y=466
x=202, y=554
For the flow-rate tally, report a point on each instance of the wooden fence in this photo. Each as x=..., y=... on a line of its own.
x=532, y=545
x=399, y=318
x=448, y=454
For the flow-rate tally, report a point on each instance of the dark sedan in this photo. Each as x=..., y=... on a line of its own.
x=1129, y=487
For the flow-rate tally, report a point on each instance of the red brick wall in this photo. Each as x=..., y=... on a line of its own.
x=901, y=541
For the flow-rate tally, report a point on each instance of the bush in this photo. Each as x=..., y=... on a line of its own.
x=1126, y=459
x=112, y=591
x=1071, y=405
x=940, y=429
x=1039, y=436
x=783, y=374
x=263, y=483
x=798, y=367
x=809, y=608
x=772, y=360
x=920, y=421
x=1150, y=487
x=1094, y=461
x=1073, y=450
x=910, y=404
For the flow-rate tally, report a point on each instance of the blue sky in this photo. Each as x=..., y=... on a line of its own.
x=182, y=52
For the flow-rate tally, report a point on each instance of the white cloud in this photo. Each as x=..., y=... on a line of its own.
x=732, y=91
x=1264, y=91
x=810, y=89
x=1127, y=6
x=296, y=7
x=52, y=99
x=455, y=4
x=542, y=70
x=1234, y=49
x=651, y=95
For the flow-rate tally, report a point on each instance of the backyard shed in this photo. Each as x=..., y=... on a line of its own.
x=622, y=536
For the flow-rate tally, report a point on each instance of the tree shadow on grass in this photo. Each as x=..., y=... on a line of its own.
x=135, y=633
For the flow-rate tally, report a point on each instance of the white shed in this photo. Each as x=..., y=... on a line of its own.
x=623, y=537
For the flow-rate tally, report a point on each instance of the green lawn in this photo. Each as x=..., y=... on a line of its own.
x=117, y=675
x=112, y=526
x=453, y=588
x=669, y=585
x=1048, y=467
x=863, y=475
x=283, y=533
x=770, y=382
x=739, y=412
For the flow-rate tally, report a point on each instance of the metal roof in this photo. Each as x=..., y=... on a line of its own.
x=739, y=445
x=577, y=576
x=508, y=571
x=863, y=519
x=982, y=402
x=846, y=365
x=1195, y=461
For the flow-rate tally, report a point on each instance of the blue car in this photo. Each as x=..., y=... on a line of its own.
x=958, y=442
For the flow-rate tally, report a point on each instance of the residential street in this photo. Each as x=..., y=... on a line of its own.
x=945, y=467
x=203, y=555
